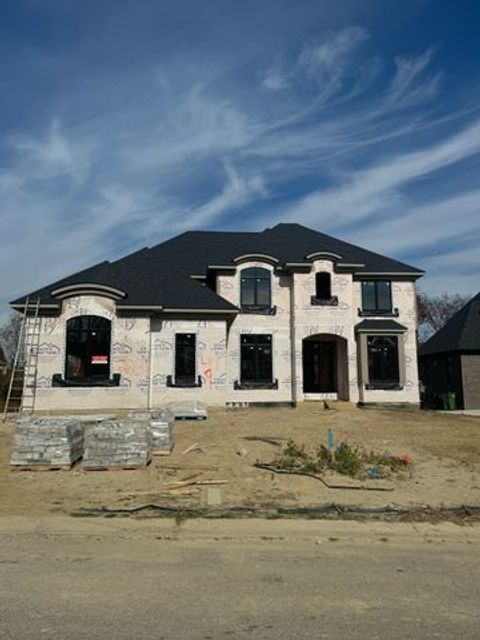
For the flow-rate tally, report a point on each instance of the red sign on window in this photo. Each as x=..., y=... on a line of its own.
x=99, y=359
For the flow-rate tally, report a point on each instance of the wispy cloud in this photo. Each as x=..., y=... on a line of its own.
x=366, y=191
x=409, y=84
x=422, y=230
x=327, y=130
x=238, y=191
x=326, y=62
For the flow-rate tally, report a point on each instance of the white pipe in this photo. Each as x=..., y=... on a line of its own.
x=150, y=367
x=293, y=339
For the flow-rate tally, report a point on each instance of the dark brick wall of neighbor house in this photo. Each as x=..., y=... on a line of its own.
x=441, y=373
x=471, y=380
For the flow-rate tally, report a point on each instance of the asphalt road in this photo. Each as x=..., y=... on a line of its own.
x=118, y=579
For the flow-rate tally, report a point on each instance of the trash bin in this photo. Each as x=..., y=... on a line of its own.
x=449, y=401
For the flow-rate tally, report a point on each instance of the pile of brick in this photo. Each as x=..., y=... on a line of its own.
x=124, y=444
x=161, y=428
x=47, y=442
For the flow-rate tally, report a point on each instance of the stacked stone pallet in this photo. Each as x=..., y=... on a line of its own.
x=161, y=428
x=53, y=443
x=121, y=444
x=188, y=409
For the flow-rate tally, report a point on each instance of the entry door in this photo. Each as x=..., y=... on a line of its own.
x=319, y=371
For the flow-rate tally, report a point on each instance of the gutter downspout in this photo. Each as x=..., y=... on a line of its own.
x=293, y=342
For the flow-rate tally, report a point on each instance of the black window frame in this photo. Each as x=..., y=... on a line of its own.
x=253, y=276
x=323, y=285
x=323, y=290
x=181, y=378
x=377, y=309
x=383, y=374
x=86, y=329
x=252, y=348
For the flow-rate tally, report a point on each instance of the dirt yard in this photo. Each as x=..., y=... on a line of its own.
x=445, y=450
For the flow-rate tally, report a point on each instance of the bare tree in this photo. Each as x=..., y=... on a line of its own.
x=9, y=333
x=434, y=311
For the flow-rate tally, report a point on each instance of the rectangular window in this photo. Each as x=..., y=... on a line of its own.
x=256, y=358
x=185, y=365
x=377, y=296
x=383, y=367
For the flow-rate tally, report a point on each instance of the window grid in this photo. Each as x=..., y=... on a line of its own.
x=377, y=296
x=255, y=287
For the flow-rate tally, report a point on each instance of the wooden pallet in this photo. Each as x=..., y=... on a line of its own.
x=41, y=467
x=116, y=467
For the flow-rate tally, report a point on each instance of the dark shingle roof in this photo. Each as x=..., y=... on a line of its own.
x=162, y=275
x=460, y=333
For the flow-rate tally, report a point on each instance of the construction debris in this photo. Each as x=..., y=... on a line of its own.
x=212, y=496
x=199, y=447
x=47, y=443
x=192, y=447
x=460, y=514
x=188, y=483
x=110, y=444
x=190, y=467
x=343, y=484
x=277, y=442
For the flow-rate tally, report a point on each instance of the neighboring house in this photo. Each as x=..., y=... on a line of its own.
x=450, y=359
x=280, y=316
x=3, y=363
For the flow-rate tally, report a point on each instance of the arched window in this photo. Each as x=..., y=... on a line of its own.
x=255, y=288
x=323, y=285
x=87, y=353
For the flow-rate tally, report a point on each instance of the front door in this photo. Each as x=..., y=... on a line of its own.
x=319, y=358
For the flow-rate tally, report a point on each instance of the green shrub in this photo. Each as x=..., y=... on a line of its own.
x=353, y=461
x=349, y=461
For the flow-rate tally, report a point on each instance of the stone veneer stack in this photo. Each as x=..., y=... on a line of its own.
x=161, y=428
x=123, y=444
x=47, y=442
x=188, y=409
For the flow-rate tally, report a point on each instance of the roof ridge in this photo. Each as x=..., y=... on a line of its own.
x=344, y=242
x=243, y=233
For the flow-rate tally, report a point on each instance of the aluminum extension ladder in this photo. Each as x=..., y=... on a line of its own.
x=23, y=378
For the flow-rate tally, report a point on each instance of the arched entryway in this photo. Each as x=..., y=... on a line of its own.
x=325, y=366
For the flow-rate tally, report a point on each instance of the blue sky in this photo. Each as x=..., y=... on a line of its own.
x=124, y=123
